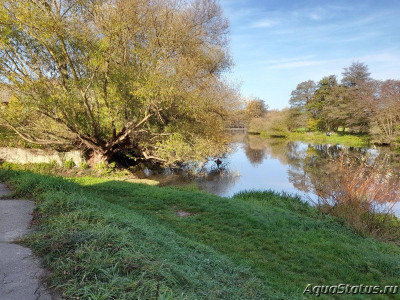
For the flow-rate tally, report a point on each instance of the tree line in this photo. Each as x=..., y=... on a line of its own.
x=357, y=104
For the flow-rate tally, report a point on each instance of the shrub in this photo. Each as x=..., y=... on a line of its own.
x=105, y=168
x=362, y=194
x=84, y=165
x=277, y=124
x=274, y=124
x=69, y=164
x=257, y=125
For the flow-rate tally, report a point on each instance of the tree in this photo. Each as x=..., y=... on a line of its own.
x=359, y=101
x=114, y=75
x=358, y=92
x=316, y=104
x=346, y=107
x=300, y=98
x=385, y=120
x=277, y=123
x=335, y=111
x=303, y=94
x=355, y=75
x=255, y=108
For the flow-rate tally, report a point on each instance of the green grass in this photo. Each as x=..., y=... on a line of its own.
x=67, y=171
x=107, y=239
x=342, y=138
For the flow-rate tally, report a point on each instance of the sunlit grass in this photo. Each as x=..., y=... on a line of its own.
x=342, y=138
x=105, y=239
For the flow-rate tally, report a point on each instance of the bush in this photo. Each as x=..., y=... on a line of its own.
x=274, y=124
x=361, y=194
x=84, y=165
x=69, y=164
x=105, y=168
x=257, y=125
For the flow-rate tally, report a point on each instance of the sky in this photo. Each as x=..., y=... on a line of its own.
x=276, y=44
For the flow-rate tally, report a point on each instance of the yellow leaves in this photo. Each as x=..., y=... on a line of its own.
x=14, y=111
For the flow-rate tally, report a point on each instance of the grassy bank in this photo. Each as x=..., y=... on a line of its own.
x=342, y=138
x=105, y=239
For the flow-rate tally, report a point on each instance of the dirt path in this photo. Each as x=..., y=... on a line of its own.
x=20, y=271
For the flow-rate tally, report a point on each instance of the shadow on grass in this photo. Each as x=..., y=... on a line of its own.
x=110, y=239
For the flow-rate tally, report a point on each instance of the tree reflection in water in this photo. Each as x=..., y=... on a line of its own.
x=308, y=163
x=320, y=170
x=257, y=163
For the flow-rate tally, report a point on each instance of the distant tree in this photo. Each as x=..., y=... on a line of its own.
x=255, y=108
x=355, y=75
x=298, y=119
x=358, y=95
x=385, y=117
x=300, y=98
x=348, y=107
x=319, y=100
x=360, y=99
x=277, y=123
x=334, y=111
x=237, y=118
x=303, y=94
x=257, y=125
x=359, y=104
x=111, y=75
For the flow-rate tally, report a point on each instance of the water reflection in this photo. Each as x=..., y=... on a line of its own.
x=255, y=156
x=256, y=163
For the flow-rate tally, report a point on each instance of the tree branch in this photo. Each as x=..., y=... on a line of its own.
x=34, y=141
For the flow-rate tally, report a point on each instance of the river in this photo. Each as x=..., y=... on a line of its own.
x=256, y=163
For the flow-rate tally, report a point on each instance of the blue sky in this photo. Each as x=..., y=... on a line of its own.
x=277, y=44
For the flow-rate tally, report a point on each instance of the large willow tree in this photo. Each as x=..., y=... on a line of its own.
x=112, y=75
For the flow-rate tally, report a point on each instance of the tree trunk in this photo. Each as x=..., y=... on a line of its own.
x=97, y=157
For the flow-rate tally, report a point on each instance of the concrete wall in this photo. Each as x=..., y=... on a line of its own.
x=24, y=156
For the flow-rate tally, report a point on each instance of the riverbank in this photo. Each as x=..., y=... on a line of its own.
x=109, y=239
x=342, y=138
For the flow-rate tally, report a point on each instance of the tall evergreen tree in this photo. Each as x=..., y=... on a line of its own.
x=355, y=75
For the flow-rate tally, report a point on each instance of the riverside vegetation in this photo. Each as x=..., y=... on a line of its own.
x=358, y=111
x=108, y=239
x=142, y=81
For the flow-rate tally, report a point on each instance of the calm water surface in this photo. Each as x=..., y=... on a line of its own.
x=260, y=164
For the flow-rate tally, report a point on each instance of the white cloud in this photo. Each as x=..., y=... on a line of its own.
x=296, y=64
x=315, y=16
x=277, y=46
x=286, y=60
x=264, y=23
